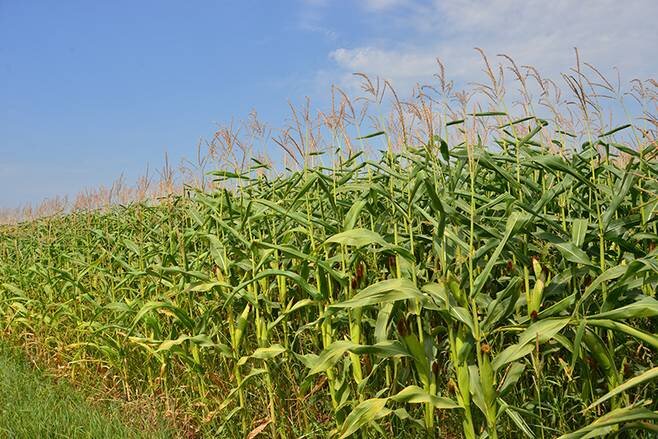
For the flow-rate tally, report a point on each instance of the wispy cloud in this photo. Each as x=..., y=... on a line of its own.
x=311, y=16
x=383, y=5
x=532, y=32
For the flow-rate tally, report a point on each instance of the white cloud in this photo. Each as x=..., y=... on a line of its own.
x=532, y=32
x=382, y=5
x=394, y=63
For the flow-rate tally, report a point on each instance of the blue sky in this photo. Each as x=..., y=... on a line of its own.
x=90, y=90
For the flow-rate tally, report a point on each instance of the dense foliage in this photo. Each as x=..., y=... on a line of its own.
x=450, y=291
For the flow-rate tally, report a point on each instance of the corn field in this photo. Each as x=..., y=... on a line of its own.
x=465, y=287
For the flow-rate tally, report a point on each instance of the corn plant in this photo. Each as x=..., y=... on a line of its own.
x=467, y=286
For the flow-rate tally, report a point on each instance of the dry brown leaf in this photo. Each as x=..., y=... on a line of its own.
x=256, y=431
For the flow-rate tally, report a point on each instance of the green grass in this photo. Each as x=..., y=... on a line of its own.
x=34, y=406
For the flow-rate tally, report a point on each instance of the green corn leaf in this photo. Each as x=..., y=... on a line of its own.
x=556, y=164
x=475, y=386
x=557, y=307
x=364, y=413
x=510, y=354
x=357, y=238
x=488, y=113
x=417, y=395
x=299, y=280
x=385, y=349
x=539, y=332
x=503, y=305
x=644, y=307
x=381, y=327
x=569, y=250
x=518, y=121
x=201, y=340
x=512, y=376
x=616, y=417
x=386, y=291
x=543, y=330
x=168, y=308
x=514, y=415
x=484, y=275
x=575, y=354
x=334, y=352
x=269, y=352
x=353, y=214
x=370, y=136
x=609, y=274
x=620, y=192
x=445, y=152
x=651, y=374
x=579, y=231
x=648, y=338
x=614, y=130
